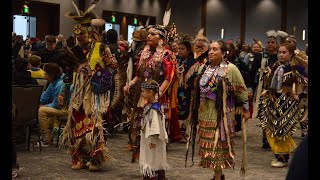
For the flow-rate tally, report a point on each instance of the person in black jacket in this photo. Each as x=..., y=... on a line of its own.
x=298, y=168
x=20, y=73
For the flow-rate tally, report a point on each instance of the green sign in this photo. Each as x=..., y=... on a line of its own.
x=135, y=21
x=113, y=18
x=25, y=9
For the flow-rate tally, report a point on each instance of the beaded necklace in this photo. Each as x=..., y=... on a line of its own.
x=207, y=76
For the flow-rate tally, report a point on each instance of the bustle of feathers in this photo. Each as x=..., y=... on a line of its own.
x=120, y=81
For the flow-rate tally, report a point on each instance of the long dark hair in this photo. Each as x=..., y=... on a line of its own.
x=188, y=46
x=53, y=70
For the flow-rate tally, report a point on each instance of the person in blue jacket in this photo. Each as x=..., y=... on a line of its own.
x=49, y=103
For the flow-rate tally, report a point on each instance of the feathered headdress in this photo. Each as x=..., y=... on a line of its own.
x=201, y=37
x=186, y=37
x=87, y=21
x=162, y=29
x=287, y=36
x=255, y=40
x=272, y=33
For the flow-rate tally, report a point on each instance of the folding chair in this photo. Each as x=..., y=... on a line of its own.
x=26, y=99
x=61, y=119
x=43, y=82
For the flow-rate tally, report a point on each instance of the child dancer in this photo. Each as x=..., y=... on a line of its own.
x=153, y=158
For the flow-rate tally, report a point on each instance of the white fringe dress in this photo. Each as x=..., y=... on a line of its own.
x=153, y=131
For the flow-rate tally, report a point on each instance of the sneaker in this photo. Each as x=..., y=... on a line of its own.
x=43, y=144
x=93, y=168
x=130, y=148
x=15, y=171
x=304, y=133
x=278, y=164
x=79, y=165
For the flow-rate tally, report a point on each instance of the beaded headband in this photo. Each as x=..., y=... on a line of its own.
x=149, y=86
x=157, y=31
x=291, y=38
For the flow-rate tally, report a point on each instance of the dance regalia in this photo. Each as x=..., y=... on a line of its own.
x=184, y=92
x=218, y=88
x=159, y=66
x=89, y=104
x=279, y=111
x=153, y=131
x=244, y=70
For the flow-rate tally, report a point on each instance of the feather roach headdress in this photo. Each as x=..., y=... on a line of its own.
x=87, y=21
x=201, y=37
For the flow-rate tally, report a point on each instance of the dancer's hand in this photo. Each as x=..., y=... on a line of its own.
x=296, y=97
x=126, y=89
x=151, y=145
x=264, y=93
x=246, y=115
x=61, y=100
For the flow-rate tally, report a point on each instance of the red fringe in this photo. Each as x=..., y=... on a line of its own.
x=175, y=131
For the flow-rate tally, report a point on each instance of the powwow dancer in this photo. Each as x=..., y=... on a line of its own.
x=279, y=110
x=156, y=63
x=218, y=85
x=95, y=91
x=153, y=157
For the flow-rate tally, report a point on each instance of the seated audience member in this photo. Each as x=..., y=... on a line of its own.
x=50, y=54
x=49, y=105
x=34, y=63
x=25, y=49
x=20, y=73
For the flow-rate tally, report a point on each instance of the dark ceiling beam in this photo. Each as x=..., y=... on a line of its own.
x=284, y=13
x=204, y=16
x=243, y=21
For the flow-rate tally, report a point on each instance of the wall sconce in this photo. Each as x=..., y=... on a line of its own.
x=303, y=35
x=222, y=33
